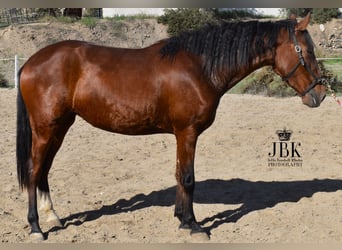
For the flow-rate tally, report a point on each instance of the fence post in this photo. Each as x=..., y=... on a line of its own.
x=16, y=71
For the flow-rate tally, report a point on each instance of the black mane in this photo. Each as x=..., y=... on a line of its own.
x=228, y=45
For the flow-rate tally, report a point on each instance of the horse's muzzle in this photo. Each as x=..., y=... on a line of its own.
x=313, y=98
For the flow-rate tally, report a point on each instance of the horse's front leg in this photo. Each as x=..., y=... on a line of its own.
x=186, y=145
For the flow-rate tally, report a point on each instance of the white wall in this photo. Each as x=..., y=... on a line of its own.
x=111, y=12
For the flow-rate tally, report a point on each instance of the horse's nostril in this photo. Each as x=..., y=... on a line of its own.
x=323, y=98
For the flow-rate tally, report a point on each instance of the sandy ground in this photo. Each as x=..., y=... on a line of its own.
x=115, y=188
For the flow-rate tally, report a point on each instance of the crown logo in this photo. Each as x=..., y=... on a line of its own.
x=284, y=135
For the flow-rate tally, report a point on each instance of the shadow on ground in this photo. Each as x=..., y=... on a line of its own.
x=251, y=195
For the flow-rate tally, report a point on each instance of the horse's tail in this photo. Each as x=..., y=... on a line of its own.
x=24, y=139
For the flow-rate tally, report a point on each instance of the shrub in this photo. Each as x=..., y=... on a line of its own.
x=324, y=15
x=186, y=19
x=265, y=82
x=319, y=15
x=236, y=14
x=331, y=78
x=88, y=21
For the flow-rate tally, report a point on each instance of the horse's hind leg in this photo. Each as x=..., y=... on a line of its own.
x=46, y=140
x=39, y=146
x=43, y=185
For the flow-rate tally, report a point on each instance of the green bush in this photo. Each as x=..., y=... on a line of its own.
x=89, y=21
x=184, y=19
x=237, y=14
x=319, y=15
x=265, y=82
x=324, y=15
x=299, y=12
x=331, y=78
x=64, y=19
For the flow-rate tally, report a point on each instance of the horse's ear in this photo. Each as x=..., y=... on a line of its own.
x=303, y=24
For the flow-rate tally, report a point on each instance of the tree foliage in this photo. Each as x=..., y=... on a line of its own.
x=185, y=19
x=182, y=19
x=330, y=77
x=324, y=15
x=319, y=15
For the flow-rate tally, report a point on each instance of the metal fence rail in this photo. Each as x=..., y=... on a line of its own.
x=9, y=68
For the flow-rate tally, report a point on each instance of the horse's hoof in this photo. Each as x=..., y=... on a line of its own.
x=200, y=235
x=185, y=226
x=197, y=232
x=53, y=220
x=55, y=223
x=36, y=237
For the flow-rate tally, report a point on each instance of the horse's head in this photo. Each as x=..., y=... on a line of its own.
x=296, y=63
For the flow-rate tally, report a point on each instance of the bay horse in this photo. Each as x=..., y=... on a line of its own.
x=173, y=86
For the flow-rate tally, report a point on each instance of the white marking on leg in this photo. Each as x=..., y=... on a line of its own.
x=47, y=207
x=36, y=237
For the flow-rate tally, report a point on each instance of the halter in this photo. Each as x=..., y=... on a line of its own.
x=316, y=81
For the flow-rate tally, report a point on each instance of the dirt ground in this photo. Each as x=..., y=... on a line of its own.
x=114, y=188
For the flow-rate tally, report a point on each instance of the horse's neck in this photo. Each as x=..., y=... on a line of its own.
x=232, y=78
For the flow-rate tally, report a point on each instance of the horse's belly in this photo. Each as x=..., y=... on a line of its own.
x=124, y=119
x=130, y=122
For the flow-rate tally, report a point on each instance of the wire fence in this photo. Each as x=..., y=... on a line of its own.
x=19, y=15
x=10, y=16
